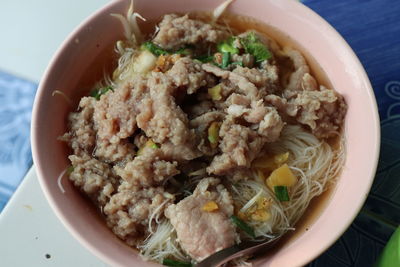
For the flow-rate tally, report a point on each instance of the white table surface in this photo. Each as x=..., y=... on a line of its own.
x=30, y=33
x=29, y=230
x=32, y=30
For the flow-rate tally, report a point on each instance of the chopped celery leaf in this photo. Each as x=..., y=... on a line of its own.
x=255, y=47
x=101, y=91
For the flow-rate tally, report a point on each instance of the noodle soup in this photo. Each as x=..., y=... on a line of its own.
x=205, y=134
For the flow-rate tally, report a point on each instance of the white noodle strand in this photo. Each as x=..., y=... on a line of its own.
x=59, y=180
x=219, y=10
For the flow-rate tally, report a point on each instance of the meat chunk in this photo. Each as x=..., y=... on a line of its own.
x=296, y=77
x=264, y=119
x=81, y=135
x=237, y=99
x=189, y=74
x=175, y=32
x=265, y=79
x=148, y=169
x=201, y=124
x=163, y=121
x=237, y=78
x=114, y=152
x=309, y=83
x=246, y=59
x=128, y=212
x=240, y=142
x=271, y=125
x=180, y=153
x=224, y=74
x=244, y=85
x=282, y=105
x=239, y=146
x=255, y=76
x=115, y=112
x=95, y=178
x=202, y=233
x=323, y=111
x=199, y=108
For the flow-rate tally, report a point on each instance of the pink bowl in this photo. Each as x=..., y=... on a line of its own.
x=69, y=72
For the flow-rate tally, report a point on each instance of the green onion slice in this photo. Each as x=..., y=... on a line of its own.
x=226, y=58
x=155, y=49
x=101, y=91
x=158, y=51
x=281, y=193
x=174, y=263
x=154, y=146
x=70, y=169
x=227, y=46
x=205, y=58
x=187, y=50
x=244, y=226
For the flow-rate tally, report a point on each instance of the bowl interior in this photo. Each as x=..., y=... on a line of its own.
x=85, y=55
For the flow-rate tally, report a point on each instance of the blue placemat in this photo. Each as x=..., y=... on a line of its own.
x=16, y=98
x=372, y=28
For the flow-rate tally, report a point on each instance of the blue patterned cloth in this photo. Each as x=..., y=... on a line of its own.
x=16, y=98
x=372, y=28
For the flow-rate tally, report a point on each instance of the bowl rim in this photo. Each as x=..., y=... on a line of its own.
x=377, y=133
x=51, y=199
x=40, y=166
